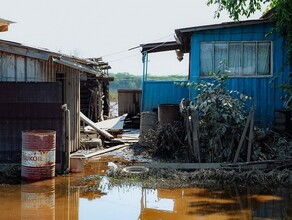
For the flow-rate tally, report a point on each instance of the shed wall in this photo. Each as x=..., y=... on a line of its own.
x=161, y=92
x=18, y=68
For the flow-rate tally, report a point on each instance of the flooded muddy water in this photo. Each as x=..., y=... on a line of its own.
x=64, y=198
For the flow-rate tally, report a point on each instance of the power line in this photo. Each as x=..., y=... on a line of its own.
x=125, y=51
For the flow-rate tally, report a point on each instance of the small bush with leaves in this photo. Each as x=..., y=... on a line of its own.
x=222, y=118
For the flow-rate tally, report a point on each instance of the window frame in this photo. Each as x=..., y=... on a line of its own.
x=241, y=75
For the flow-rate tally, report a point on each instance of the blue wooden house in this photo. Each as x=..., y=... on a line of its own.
x=252, y=58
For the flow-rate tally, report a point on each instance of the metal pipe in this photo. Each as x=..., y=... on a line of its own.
x=66, y=165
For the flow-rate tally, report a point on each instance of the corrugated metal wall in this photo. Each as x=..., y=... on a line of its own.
x=28, y=106
x=161, y=92
x=266, y=98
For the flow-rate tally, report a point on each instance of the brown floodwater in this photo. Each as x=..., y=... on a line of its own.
x=64, y=198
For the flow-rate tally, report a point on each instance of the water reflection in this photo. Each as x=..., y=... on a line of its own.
x=38, y=200
x=65, y=198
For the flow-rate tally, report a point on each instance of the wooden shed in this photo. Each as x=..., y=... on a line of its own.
x=40, y=89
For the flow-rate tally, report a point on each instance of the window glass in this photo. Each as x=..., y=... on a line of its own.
x=264, y=58
x=249, y=59
x=206, y=61
x=235, y=57
x=220, y=57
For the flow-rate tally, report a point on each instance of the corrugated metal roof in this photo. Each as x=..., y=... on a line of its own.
x=3, y=21
x=85, y=65
x=75, y=65
x=184, y=34
x=159, y=47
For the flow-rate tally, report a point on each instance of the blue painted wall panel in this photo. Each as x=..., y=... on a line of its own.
x=157, y=92
x=266, y=97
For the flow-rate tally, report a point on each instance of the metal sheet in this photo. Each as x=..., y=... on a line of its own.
x=162, y=92
x=28, y=106
x=75, y=65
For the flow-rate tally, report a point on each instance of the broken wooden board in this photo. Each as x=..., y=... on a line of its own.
x=92, y=124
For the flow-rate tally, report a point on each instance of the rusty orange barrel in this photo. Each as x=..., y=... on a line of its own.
x=38, y=154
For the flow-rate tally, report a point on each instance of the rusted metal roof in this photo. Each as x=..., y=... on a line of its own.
x=4, y=24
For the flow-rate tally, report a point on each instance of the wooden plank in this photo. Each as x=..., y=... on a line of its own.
x=92, y=124
x=8, y=62
x=250, y=138
x=184, y=166
x=242, y=137
x=226, y=166
x=96, y=153
x=20, y=69
x=30, y=70
x=195, y=138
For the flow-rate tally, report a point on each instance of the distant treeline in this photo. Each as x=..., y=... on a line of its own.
x=125, y=81
x=130, y=81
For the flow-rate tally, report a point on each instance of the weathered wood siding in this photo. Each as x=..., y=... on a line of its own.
x=71, y=96
x=265, y=96
x=18, y=68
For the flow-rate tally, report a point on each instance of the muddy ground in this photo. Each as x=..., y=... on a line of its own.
x=155, y=178
x=166, y=178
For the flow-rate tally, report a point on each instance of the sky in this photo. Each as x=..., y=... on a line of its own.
x=107, y=28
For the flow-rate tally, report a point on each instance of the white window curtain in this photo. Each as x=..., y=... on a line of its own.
x=264, y=58
x=220, y=57
x=249, y=59
x=235, y=57
x=206, y=60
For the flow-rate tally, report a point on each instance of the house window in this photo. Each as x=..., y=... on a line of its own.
x=236, y=58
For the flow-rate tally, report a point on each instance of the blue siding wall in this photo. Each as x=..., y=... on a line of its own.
x=161, y=92
x=266, y=97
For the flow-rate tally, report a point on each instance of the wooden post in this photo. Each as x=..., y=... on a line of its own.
x=250, y=137
x=243, y=134
x=195, y=136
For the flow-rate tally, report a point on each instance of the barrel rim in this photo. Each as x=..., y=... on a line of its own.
x=38, y=132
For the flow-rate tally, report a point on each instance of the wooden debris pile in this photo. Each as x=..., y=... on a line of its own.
x=168, y=141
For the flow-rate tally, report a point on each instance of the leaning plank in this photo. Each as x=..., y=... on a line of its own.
x=243, y=136
x=250, y=136
x=96, y=153
x=91, y=123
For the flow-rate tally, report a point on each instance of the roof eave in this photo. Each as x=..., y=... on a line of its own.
x=160, y=47
x=184, y=34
